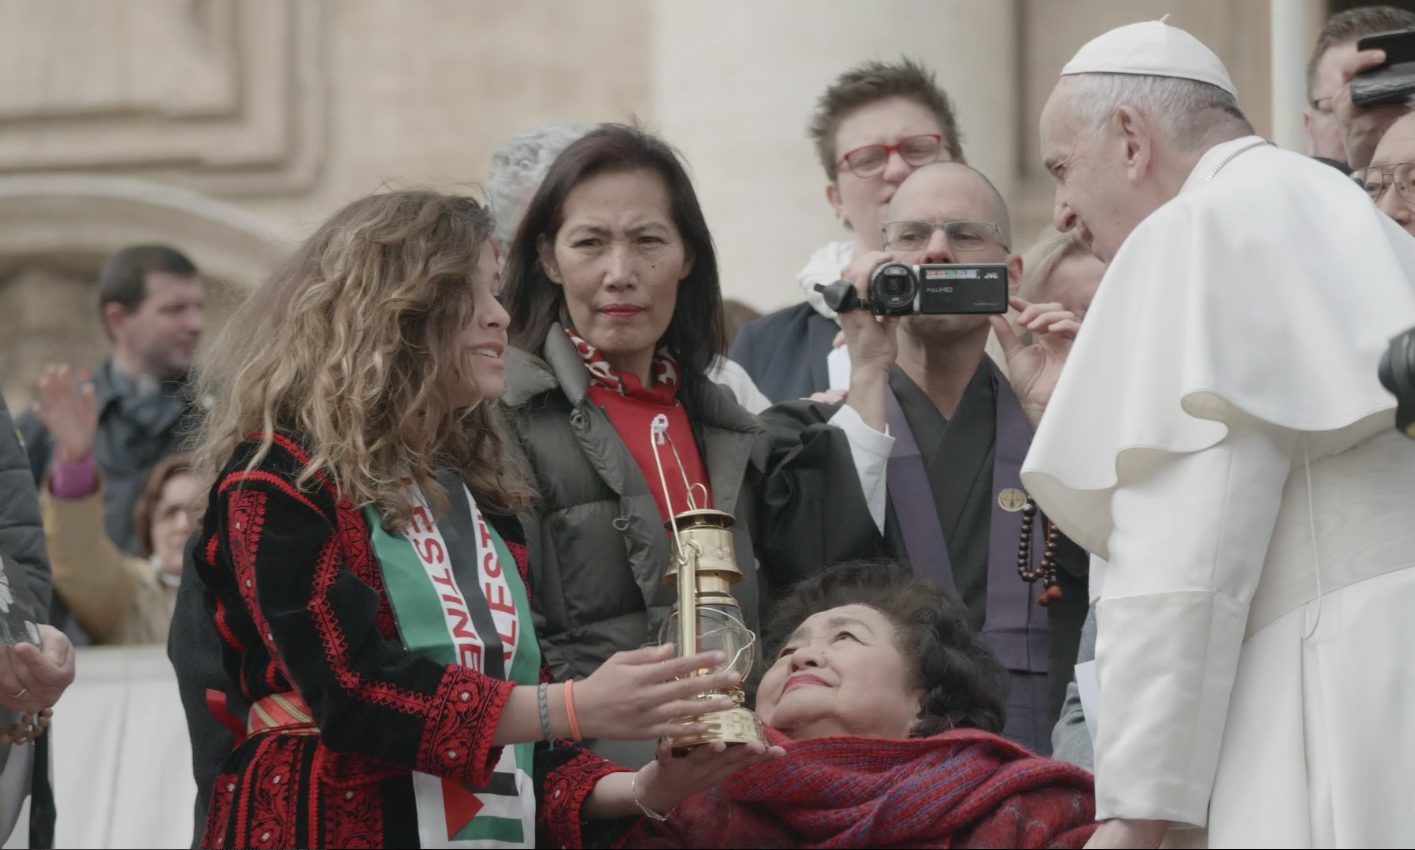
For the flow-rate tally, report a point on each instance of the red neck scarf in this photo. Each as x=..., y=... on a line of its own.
x=633, y=409
x=963, y=788
x=665, y=372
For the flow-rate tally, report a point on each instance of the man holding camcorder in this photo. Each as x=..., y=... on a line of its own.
x=959, y=428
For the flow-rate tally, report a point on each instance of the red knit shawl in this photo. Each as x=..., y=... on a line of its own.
x=963, y=788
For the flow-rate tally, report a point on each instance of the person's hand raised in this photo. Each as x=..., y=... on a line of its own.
x=1033, y=370
x=667, y=781
x=637, y=696
x=34, y=677
x=1361, y=127
x=68, y=410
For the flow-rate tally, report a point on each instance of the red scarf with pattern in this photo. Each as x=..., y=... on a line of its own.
x=963, y=788
x=633, y=408
x=665, y=373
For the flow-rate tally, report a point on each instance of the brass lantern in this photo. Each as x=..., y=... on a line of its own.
x=706, y=617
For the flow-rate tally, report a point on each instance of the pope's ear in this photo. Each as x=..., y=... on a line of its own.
x=547, y=260
x=1136, y=139
x=1014, y=273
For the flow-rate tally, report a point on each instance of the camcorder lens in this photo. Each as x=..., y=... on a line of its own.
x=894, y=287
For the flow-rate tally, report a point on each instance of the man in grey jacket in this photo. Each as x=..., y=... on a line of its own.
x=150, y=298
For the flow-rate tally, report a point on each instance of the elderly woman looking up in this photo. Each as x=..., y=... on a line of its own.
x=616, y=311
x=887, y=704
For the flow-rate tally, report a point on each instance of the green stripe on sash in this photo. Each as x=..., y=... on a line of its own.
x=411, y=594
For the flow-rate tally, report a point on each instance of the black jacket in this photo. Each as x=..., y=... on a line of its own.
x=598, y=549
x=785, y=352
x=22, y=538
x=134, y=432
x=21, y=534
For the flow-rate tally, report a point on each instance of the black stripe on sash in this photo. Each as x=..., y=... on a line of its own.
x=460, y=534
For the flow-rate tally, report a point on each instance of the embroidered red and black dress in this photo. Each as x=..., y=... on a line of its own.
x=298, y=598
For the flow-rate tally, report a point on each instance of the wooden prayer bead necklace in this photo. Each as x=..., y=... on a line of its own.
x=31, y=726
x=1046, y=570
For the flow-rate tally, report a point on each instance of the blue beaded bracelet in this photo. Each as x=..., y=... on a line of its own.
x=544, y=712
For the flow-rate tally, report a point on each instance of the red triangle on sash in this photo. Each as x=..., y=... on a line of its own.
x=459, y=805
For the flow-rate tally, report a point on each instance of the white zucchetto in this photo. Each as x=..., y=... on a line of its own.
x=1152, y=48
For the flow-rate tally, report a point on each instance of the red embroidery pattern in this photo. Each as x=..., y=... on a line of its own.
x=261, y=476
x=336, y=645
x=218, y=812
x=456, y=740
x=245, y=519
x=348, y=815
x=360, y=560
x=566, y=788
x=271, y=793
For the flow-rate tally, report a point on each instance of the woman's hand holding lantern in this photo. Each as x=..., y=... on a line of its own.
x=639, y=695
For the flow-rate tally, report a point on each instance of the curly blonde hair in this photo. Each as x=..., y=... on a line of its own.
x=349, y=347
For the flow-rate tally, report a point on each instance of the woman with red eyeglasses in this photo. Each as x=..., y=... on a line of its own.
x=875, y=124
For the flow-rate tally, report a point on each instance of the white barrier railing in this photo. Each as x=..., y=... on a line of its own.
x=122, y=758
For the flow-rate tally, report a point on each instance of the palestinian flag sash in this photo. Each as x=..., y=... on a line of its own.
x=458, y=599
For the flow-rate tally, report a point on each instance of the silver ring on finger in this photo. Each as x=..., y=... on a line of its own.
x=22, y=692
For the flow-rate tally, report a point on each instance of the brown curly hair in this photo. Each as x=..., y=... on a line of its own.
x=963, y=684
x=349, y=348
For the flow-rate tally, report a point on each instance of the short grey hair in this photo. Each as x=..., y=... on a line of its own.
x=518, y=168
x=1186, y=112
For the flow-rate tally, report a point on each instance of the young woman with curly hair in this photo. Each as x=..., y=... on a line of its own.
x=368, y=578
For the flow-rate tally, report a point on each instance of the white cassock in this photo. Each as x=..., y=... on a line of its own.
x=1256, y=651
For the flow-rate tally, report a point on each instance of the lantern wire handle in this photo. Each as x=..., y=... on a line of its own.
x=658, y=432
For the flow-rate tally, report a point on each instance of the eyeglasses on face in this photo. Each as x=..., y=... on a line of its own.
x=963, y=236
x=871, y=159
x=1378, y=179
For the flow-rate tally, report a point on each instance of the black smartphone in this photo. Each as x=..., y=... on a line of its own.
x=1395, y=79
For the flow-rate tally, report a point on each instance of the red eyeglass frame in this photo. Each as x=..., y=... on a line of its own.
x=888, y=149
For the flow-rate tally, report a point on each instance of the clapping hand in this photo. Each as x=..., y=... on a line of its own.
x=1034, y=369
x=69, y=411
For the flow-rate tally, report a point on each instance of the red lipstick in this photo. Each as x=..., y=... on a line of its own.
x=803, y=679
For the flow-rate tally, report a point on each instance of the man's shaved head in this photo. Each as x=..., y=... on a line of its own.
x=946, y=178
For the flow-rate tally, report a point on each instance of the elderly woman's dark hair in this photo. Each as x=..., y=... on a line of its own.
x=963, y=684
x=695, y=334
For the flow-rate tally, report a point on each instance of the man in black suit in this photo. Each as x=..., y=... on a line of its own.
x=872, y=128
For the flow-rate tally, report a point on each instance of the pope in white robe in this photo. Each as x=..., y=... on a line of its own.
x=1220, y=438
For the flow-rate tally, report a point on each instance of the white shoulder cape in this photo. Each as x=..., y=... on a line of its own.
x=1272, y=288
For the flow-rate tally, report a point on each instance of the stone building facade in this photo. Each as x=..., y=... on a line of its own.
x=231, y=128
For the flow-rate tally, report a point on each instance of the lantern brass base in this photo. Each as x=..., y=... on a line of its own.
x=733, y=726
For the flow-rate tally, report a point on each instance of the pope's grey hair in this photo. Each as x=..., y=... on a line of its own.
x=518, y=168
x=1187, y=112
